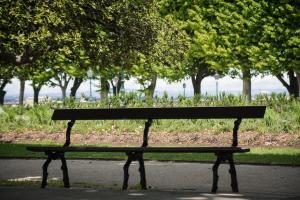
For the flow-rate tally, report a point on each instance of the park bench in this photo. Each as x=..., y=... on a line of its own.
x=223, y=154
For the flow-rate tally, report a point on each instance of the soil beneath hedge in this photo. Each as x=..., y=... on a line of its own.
x=163, y=138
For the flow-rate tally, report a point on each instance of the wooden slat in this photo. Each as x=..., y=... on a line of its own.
x=141, y=149
x=161, y=113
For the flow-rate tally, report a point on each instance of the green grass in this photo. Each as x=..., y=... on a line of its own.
x=263, y=155
x=282, y=116
x=24, y=183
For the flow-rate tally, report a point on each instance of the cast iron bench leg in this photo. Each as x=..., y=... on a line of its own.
x=64, y=169
x=222, y=158
x=215, y=174
x=126, y=168
x=232, y=171
x=45, y=173
x=142, y=172
x=133, y=156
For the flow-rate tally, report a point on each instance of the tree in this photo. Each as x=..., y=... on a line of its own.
x=30, y=29
x=39, y=77
x=279, y=47
x=263, y=36
x=79, y=68
x=110, y=32
x=62, y=80
x=238, y=31
x=196, y=18
x=123, y=30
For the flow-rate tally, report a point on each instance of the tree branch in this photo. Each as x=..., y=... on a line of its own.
x=68, y=79
x=3, y=84
x=284, y=83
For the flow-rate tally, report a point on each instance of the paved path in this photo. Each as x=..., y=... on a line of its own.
x=17, y=193
x=187, y=179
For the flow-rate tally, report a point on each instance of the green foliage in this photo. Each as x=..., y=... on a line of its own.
x=170, y=39
x=194, y=18
x=250, y=34
x=68, y=37
x=279, y=46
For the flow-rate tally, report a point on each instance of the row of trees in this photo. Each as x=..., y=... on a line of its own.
x=52, y=42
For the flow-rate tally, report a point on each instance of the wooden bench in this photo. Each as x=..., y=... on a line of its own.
x=136, y=153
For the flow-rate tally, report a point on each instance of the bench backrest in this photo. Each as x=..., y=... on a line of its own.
x=161, y=113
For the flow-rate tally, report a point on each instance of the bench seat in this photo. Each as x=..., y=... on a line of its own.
x=141, y=149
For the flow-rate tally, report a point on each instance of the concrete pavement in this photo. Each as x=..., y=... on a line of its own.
x=170, y=180
x=17, y=193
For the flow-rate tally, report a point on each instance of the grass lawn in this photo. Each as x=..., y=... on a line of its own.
x=258, y=155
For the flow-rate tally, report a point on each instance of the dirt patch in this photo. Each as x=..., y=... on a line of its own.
x=163, y=138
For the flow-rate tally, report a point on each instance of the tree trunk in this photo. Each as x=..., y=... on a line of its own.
x=117, y=88
x=298, y=80
x=76, y=85
x=149, y=92
x=2, y=91
x=2, y=94
x=36, y=92
x=63, y=91
x=293, y=86
x=63, y=80
x=197, y=80
x=22, y=91
x=104, y=88
x=114, y=90
x=247, y=84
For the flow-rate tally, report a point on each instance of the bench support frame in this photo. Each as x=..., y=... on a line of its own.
x=64, y=168
x=138, y=156
x=221, y=158
x=68, y=133
x=235, y=132
x=134, y=156
x=146, y=131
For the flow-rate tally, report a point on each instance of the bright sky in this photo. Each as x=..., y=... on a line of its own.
x=226, y=84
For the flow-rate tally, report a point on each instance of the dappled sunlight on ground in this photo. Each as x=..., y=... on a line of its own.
x=208, y=196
